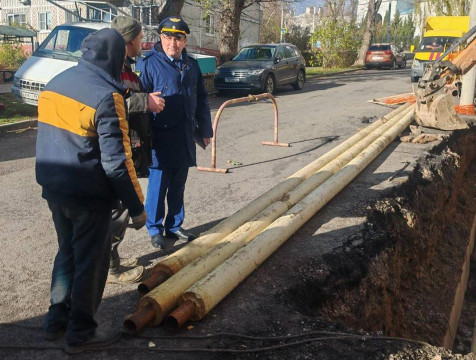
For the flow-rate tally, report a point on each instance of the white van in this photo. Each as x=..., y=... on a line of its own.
x=59, y=51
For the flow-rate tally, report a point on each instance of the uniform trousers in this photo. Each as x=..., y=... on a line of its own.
x=80, y=270
x=165, y=183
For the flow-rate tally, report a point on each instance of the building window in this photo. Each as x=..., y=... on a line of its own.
x=147, y=15
x=70, y=18
x=44, y=20
x=100, y=12
x=16, y=19
x=210, y=24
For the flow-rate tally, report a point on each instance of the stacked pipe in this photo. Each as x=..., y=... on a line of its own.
x=199, y=284
x=176, y=261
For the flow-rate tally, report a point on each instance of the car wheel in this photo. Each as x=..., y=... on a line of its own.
x=394, y=65
x=299, y=84
x=403, y=65
x=269, y=85
x=368, y=67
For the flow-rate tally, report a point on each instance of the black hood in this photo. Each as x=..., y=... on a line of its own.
x=106, y=49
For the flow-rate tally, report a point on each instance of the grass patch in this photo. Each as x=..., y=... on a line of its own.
x=15, y=110
x=327, y=71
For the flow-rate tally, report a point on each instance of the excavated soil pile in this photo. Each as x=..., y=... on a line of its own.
x=400, y=274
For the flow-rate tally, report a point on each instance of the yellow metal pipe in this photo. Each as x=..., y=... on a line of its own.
x=164, y=298
x=211, y=289
x=176, y=261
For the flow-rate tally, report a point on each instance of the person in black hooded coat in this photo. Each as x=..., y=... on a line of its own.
x=84, y=165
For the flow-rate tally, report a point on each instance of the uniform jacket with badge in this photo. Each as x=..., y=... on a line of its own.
x=139, y=121
x=186, y=108
x=83, y=151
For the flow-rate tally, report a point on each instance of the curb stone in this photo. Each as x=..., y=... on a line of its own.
x=334, y=73
x=18, y=125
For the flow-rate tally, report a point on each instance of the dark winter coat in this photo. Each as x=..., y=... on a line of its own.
x=186, y=107
x=83, y=151
x=139, y=120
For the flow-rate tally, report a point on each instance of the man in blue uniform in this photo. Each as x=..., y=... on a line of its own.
x=84, y=165
x=167, y=69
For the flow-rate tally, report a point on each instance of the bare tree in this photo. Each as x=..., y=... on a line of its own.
x=171, y=8
x=445, y=7
x=230, y=27
x=369, y=30
x=270, y=27
x=230, y=15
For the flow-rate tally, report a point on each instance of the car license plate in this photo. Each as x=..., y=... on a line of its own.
x=377, y=58
x=29, y=95
x=232, y=80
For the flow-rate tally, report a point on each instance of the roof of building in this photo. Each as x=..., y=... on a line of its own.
x=15, y=31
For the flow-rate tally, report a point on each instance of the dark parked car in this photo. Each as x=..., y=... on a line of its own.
x=385, y=55
x=261, y=68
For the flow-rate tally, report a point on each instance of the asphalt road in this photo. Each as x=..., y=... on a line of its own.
x=314, y=120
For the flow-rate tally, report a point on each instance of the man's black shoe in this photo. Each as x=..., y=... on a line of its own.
x=99, y=340
x=181, y=234
x=158, y=241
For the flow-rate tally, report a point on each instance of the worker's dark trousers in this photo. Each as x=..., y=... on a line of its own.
x=120, y=219
x=79, y=271
x=164, y=183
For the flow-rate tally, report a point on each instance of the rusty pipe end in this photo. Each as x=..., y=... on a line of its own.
x=181, y=315
x=140, y=319
x=156, y=278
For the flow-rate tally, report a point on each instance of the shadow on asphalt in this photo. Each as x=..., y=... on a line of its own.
x=24, y=339
x=324, y=140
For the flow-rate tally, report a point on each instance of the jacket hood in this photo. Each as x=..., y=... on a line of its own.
x=106, y=49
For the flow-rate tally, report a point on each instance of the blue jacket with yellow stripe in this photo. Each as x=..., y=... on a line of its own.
x=83, y=151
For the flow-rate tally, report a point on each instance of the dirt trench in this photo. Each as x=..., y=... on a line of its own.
x=399, y=275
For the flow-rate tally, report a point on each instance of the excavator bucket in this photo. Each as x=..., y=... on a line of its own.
x=438, y=113
x=434, y=106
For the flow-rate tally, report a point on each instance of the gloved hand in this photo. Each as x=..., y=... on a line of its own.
x=139, y=220
x=155, y=103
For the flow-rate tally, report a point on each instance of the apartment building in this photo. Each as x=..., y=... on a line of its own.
x=42, y=16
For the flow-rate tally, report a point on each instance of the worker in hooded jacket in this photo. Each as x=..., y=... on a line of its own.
x=169, y=70
x=84, y=165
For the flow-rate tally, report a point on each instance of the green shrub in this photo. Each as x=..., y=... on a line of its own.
x=313, y=58
x=11, y=56
x=339, y=40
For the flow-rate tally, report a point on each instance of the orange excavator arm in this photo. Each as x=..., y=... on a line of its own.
x=435, y=106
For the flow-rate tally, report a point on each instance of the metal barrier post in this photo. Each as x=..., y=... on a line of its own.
x=248, y=98
x=275, y=142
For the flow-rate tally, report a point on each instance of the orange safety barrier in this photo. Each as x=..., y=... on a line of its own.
x=248, y=98
x=464, y=109
x=411, y=98
x=396, y=99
